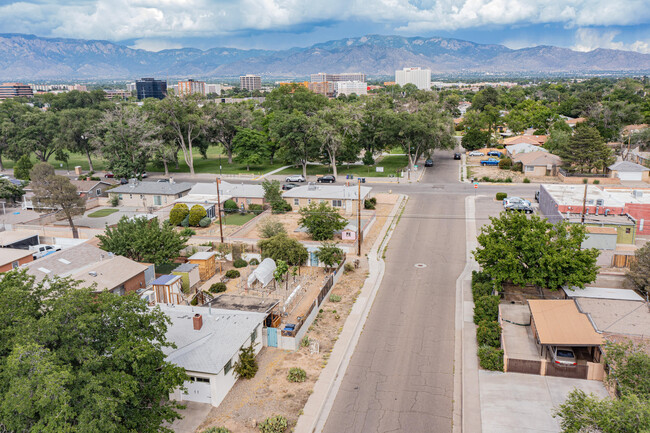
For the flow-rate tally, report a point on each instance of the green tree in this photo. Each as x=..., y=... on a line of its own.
x=197, y=213
x=9, y=191
x=56, y=192
x=321, y=221
x=270, y=227
x=75, y=131
x=246, y=366
x=586, y=151
x=23, y=167
x=639, y=273
x=143, y=240
x=224, y=122
x=295, y=132
x=281, y=269
x=294, y=97
x=474, y=139
x=273, y=196
x=329, y=254
x=250, y=147
x=282, y=247
x=487, y=96
x=336, y=127
x=37, y=134
x=530, y=250
x=10, y=114
x=73, y=360
x=628, y=368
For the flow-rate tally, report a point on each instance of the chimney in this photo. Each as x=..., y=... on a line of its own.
x=197, y=321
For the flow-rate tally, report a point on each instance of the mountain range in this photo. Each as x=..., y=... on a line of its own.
x=29, y=57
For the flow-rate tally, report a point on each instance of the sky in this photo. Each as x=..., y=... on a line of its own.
x=278, y=24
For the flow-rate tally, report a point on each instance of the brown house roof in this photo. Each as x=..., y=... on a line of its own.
x=530, y=139
x=87, y=185
x=559, y=323
x=602, y=230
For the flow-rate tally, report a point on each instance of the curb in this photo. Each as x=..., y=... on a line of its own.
x=322, y=399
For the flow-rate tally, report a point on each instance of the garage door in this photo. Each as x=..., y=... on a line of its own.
x=630, y=176
x=198, y=389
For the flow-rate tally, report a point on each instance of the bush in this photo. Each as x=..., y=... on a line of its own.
x=195, y=301
x=178, y=213
x=480, y=277
x=197, y=213
x=254, y=262
x=218, y=287
x=367, y=204
x=217, y=430
x=271, y=227
x=274, y=424
x=247, y=366
x=486, y=308
x=518, y=166
x=205, y=222
x=280, y=206
x=233, y=273
x=368, y=159
x=482, y=289
x=240, y=263
x=373, y=200
x=186, y=221
x=348, y=267
x=23, y=167
x=490, y=358
x=95, y=178
x=296, y=375
x=501, y=195
x=335, y=298
x=488, y=333
x=115, y=201
x=305, y=341
x=526, y=180
x=255, y=208
x=187, y=232
x=229, y=206
x=508, y=180
x=505, y=164
x=596, y=181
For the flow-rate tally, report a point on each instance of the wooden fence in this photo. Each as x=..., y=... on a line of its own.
x=622, y=260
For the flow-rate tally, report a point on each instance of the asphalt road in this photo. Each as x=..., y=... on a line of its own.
x=400, y=377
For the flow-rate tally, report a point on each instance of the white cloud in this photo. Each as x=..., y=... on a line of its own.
x=154, y=45
x=590, y=39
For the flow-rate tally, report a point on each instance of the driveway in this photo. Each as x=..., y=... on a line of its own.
x=193, y=415
x=524, y=403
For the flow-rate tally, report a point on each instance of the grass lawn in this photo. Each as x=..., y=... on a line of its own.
x=391, y=163
x=102, y=213
x=237, y=219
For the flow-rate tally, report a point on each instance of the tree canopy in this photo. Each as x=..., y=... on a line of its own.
x=282, y=247
x=321, y=221
x=639, y=273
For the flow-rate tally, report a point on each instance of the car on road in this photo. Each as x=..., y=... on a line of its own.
x=295, y=178
x=109, y=175
x=428, y=163
x=511, y=200
x=288, y=186
x=456, y=155
x=142, y=175
x=476, y=153
x=495, y=153
x=328, y=178
x=564, y=356
x=490, y=161
x=43, y=250
x=519, y=207
x=163, y=181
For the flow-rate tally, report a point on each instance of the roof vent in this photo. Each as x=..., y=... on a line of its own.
x=44, y=270
x=65, y=262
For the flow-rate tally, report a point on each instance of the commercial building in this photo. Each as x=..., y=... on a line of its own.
x=151, y=88
x=346, y=76
x=213, y=88
x=419, y=77
x=15, y=90
x=322, y=88
x=350, y=87
x=191, y=87
x=117, y=94
x=250, y=82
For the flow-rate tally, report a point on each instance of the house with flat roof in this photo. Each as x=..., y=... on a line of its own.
x=12, y=258
x=208, y=343
x=149, y=194
x=342, y=197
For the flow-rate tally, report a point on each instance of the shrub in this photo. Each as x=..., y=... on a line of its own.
x=281, y=206
x=526, y=180
x=505, y=164
x=518, y=166
x=187, y=232
x=186, y=221
x=367, y=204
x=115, y=201
x=296, y=375
x=255, y=208
x=229, y=206
x=373, y=200
x=486, y=308
x=271, y=227
x=218, y=287
x=197, y=213
x=480, y=277
x=217, y=430
x=81, y=177
x=274, y=424
x=596, y=181
x=205, y=222
x=95, y=178
x=508, y=180
x=23, y=167
x=233, y=273
x=335, y=298
x=195, y=301
x=488, y=333
x=490, y=358
x=247, y=366
x=240, y=263
x=501, y=195
x=482, y=289
x=348, y=267
x=305, y=341
x=178, y=213
x=254, y=262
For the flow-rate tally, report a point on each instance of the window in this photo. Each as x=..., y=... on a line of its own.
x=530, y=168
x=337, y=203
x=156, y=200
x=308, y=201
x=199, y=379
x=296, y=202
x=254, y=335
x=141, y=196
x=248, y=201
x=98, y=191
x=227, y=367
x=130, y=195
x=119, y=196
x=628, y=230
x=118, y=291
x=14, y=265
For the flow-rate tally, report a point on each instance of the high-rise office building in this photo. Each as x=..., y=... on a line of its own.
x=151, y=88
x=346, y=76
x=421, y=78
x=250, y=82
x=190, y=87
x=213, y=88
x=350, y=87
x=15, y=90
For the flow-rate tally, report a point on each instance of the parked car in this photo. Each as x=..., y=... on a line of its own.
x=328, y=178
x=428, y=163
x=511, y=200
x=490, y=161
x=564, y=356
x=495, y=153
x=43, y=250
x=295, y=178
x=456, y=155
x=109, y=175
x=124, y=181
x=519, y=207
x=476, y=153
x=142, y=175
x=163, y=180
x=288, y=186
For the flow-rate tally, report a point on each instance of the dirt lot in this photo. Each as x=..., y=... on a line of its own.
x=269, y=392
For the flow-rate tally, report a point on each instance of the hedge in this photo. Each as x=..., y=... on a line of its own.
x=501, y=195
x=229, y=206
x=178, y=213
x=488, y=333
x=233, y=273
x=255, y=208
x=254, y=262
x=486, y=308
x=490, y=358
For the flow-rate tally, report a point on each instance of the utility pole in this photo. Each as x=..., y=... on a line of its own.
x=584, y=204
x=359, y=218
x=219, y=209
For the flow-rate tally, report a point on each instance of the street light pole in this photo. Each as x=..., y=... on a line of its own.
x=219, y=209
x=359, y=218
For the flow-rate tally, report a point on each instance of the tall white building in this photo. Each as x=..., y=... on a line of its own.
x=213, y=88
x=190, y=87
x=350, y=87
x=421, y=78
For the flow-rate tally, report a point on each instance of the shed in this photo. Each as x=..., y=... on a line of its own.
x=168, y=289
x=189, y=273
x=207, y=264
x=263, y=273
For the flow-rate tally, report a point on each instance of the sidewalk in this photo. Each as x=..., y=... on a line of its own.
x=320, y=402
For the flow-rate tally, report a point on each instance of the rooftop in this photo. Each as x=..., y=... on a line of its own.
x=66, y=262
x=162, y=188
x=603, y=293
x=244, y=303
x=186, y=267
x=109, y=273
x=8, y=238
x=317, y=191
x=537, y=158
x=201, y=255
x=560, y=323
x=599, y=219
x=230, y=189
x=627, y=166
x=165, y=280
x=525, y=147
x=629, y=195
x=573, y=195
x=10, y=255
x=617, y=316
x=87, y=185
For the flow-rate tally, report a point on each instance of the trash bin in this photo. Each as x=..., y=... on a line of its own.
x=347, y=176
x=351, y=176
x=363, y=180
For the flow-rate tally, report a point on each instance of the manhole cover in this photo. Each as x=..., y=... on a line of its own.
x=420, y=265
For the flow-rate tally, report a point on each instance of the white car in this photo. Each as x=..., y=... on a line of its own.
x=515, y=200
x=476, y=153
x=43, y=250
x=564, y=356
x=295, y=178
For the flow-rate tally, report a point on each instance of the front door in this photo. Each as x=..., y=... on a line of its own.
x=272, y=339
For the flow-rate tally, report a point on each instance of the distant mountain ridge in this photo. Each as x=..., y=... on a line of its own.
x=28, y=57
